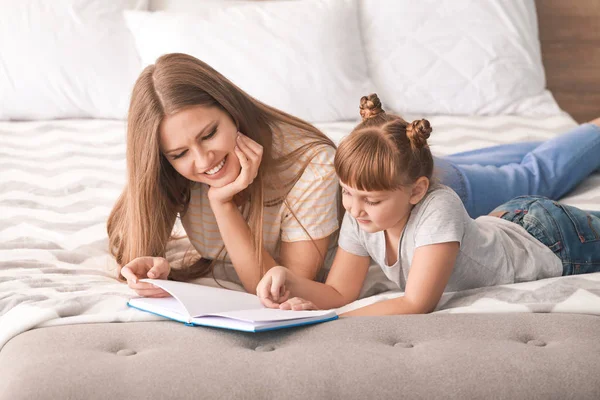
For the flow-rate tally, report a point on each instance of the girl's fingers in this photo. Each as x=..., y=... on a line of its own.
x=262, y=290
x=277, y=284
x=267, y=302
x=285, y=297
x=297, y=304
x=307, y=305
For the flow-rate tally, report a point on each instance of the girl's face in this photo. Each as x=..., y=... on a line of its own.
x=380, y=210
x=199, y=143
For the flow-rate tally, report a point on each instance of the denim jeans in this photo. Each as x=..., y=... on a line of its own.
x=488, y=177
x=572, y=234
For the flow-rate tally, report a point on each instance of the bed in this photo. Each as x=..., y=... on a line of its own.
x=56, y=277
x=66, y=332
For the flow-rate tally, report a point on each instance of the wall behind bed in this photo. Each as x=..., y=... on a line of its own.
x=570, y=36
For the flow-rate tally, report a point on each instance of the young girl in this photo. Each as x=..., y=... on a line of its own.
x=421, y=235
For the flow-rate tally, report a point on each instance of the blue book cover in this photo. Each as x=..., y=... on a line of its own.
x=199, y=305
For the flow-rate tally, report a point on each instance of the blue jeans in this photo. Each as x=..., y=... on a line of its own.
x=488, y=177
x=572, y=234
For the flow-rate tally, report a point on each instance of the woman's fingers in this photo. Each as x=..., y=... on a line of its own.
x=146, y=289
x=250, y=144
x=156, y=292
x=146, y=267
x=141, y=285
x=160, y=269
x=252, y=151
x=128, y=274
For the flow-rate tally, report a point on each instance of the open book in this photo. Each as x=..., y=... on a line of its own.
x=222, y=308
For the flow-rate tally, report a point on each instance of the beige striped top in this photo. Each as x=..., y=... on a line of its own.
x=312, y=199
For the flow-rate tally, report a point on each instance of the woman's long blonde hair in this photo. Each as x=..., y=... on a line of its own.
x=142, y=220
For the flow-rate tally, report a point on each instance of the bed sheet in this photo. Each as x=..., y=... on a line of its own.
x=59, y=180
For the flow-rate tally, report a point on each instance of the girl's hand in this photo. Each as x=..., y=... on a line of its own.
x=146, y=267
x=297, y=304
x=271, y=289
x=250, y=154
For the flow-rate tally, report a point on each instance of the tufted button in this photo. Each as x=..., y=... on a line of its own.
x=537, y=343
x=265, y=348
x=126, y=352
x=403, y=345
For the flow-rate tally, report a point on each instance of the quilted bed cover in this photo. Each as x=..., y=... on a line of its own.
x=59, y=180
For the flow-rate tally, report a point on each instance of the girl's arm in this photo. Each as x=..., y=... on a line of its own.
x=343, y=283
x=429, y=273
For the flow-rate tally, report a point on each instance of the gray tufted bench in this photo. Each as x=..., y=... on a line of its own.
x=440, y=356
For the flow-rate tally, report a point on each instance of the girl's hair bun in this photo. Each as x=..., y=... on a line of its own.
x=370, y=106
x=418, y=132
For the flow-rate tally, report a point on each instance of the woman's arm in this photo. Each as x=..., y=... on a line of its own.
x=304, y=258
x=238, y=241
x=430, y=271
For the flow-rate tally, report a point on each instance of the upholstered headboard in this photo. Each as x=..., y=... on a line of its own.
x=570, y=36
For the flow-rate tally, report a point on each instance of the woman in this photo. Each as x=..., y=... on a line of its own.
x=254, y=186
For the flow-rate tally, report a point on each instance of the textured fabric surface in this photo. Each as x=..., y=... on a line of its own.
x=304, y=57
x=66, y=59
x=507, y=356
x=464, y=57
x=59, y=180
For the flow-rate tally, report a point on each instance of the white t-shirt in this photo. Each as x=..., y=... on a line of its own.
x=493, y=251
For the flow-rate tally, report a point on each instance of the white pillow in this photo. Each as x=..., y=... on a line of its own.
x=302, y=57
x=456, y=56
x=66, y=59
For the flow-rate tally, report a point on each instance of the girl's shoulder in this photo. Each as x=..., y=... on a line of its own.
x=438, y=192
x=440, y=199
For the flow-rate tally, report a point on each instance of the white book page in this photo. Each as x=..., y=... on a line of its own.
x=273, y=314
x=201, y=300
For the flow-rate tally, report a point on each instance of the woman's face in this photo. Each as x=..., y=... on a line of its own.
x=199, y=143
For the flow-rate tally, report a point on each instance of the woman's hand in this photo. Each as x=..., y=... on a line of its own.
x=146, y=267
x=250, y=154
x=271, y=289
x=297, y=304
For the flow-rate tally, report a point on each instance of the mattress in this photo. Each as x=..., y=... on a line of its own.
x=59, y=299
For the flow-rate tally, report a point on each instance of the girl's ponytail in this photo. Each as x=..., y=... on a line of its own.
x=418, y=132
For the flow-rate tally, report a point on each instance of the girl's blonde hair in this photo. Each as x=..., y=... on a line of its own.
x=384, y=152
x=142, y=220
